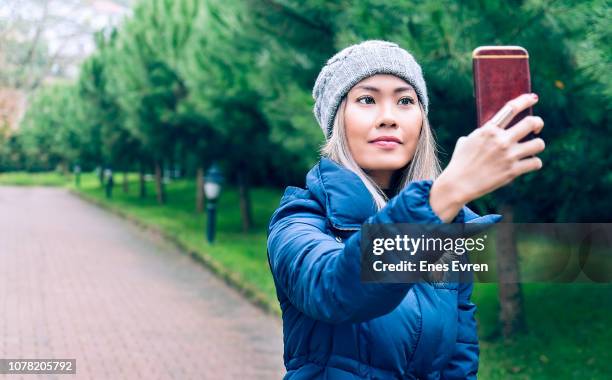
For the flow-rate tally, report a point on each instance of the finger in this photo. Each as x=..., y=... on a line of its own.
x=528, y=148
x=523, y=127
x=526, y=165
x=513, y=108
x=502, y=117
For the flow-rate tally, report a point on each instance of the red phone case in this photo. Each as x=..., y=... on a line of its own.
x=501, y=73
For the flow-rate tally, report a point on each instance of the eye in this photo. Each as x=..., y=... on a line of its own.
x=410, y=100
x=367, y=97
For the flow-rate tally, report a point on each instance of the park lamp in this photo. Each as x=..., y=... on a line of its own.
x=212, y=188
x=212, y=183
x=77, y=175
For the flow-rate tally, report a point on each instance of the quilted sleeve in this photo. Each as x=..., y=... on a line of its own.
x=320, y=276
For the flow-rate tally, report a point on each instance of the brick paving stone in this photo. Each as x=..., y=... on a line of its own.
x=78, y=282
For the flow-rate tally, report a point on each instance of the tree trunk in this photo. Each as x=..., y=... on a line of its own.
x=200, y=190
x=511, y=314
x=245, y=201
x=126, y=185
x=159, y=184
x=143, y=185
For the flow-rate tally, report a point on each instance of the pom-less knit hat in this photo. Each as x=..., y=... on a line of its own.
x=355, y=63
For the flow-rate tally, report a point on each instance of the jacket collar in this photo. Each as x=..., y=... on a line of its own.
x=346, y=200
x=348, y=203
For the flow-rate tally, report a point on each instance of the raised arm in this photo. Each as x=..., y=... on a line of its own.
x=320, y=276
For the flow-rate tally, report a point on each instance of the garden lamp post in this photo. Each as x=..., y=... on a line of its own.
x=77, y=175
x=108, y=173
x=212, y=189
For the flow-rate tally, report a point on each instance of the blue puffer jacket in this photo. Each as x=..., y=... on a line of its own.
x=336, y=327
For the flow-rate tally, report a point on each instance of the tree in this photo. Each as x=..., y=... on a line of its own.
x=26, y=56
x=218, y=71
x=147, y=89
x=110, y=142
x=295, y=39
x=50, y=136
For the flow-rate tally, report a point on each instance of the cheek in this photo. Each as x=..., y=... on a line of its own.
x=413, y=128
x=357, y=141
x=411, y=133
x=415, y=131
x=357, y=124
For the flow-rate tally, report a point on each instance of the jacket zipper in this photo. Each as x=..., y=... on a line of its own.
x=345, y=229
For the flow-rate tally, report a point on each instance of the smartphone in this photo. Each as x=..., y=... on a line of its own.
x=501, y=73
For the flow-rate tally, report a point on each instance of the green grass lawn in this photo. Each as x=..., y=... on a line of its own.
x=569, y=324
x=569, y=333
x=38, y=179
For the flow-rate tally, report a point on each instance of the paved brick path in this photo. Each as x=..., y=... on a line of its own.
x=77, y=282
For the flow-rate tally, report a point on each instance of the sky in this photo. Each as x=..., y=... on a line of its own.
x=68, y=26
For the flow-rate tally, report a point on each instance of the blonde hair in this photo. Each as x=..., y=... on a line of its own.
x=424, y=163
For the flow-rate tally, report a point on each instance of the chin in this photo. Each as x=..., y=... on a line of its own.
x=385, y=163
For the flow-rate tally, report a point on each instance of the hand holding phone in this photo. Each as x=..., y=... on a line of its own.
x=488, y=158
x=504, y=146
x=501, y=73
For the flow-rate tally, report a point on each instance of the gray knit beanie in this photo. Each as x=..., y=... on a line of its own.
x=355, y=63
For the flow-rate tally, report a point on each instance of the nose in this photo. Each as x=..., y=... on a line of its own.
x=387, y=117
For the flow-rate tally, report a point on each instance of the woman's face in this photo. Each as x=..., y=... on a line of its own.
x=383, y=121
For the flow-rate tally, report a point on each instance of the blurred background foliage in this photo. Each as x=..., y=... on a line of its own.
x=183, y=83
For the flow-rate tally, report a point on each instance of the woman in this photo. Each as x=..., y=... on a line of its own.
x=379, y=165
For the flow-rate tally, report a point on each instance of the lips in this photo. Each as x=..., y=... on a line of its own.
x=386, y=142
x=387, y=139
